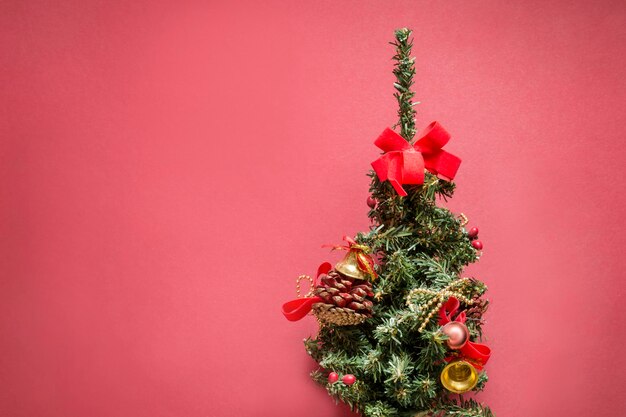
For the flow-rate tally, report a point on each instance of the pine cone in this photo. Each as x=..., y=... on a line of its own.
x=477, y=309
x=341, y=291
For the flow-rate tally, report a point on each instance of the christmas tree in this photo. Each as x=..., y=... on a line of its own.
x=398, y=323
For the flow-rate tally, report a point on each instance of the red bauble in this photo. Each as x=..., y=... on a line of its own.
x=348, y=379
x=473, y=233
x=371, y=202
x=333, y=377
x=457, y=333
x=477, y=244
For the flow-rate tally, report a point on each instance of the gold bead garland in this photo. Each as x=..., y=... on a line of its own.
x=300, y=279
x=464, y=220
x=454, y=289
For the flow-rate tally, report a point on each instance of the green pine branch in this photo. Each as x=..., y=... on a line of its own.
x=404, y=70
x=464, y=408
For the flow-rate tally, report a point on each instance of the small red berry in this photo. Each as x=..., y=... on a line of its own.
x=371, y=202
x=477, y=244
x=333, y=377
x=473, y=233
x=348, y=379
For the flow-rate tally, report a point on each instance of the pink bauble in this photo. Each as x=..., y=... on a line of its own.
x=457, y=333
x=348, y=379
x=477, y=244
x=333, y=377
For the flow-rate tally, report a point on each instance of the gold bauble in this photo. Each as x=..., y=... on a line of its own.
x=459, y=377
x=349, y=266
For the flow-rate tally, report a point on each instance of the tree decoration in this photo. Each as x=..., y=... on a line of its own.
x=459, y=377
x=457, y=334
x=344, y=300
x=461, y=374
x=348, y=379
x=400, y=337
x=425, y=310
x=477, y=244
x=333, y=377
x=473, y=233
x=357, y=263
x=342, y=296
x=404, y=163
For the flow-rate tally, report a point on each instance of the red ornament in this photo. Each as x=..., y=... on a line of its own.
x=348, y=379
x=457, y=333
x=371, y=202
x=477, y=244
x=473, y=233
x=333, y=377
x=404, y=163
x=477, y=352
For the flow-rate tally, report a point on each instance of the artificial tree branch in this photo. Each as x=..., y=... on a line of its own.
x=404, y=70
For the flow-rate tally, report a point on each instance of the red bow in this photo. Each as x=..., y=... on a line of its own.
x=404, y=163
x=365, y=262
x=296, y=309
x=476, y=353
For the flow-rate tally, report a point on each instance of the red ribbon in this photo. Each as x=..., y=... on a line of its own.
x=476, y=353
x=364, y=261
x=404, y=163
x=296, y=309
x=351, y=243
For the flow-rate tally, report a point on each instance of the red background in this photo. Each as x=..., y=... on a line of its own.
x=168, y=168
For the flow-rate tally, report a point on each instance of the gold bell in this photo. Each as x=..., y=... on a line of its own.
x=459, y=377
x=349, y=266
